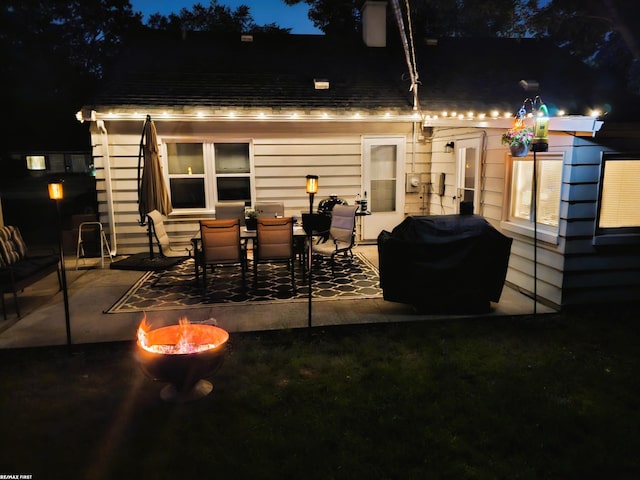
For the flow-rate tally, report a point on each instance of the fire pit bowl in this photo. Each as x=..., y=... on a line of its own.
x=183, y=356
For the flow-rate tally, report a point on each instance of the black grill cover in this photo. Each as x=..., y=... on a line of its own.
x=443, y=262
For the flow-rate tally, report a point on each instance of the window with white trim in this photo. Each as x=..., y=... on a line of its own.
x=201, y=174
x=547, y=195
x=618, y=216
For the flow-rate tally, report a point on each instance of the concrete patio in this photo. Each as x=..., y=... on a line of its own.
x=92, y=290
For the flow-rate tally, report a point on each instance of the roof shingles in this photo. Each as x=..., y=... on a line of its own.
x=277, y=72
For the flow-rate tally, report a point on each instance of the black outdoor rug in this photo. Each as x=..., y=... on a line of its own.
x=144, y=262
x=176, y=288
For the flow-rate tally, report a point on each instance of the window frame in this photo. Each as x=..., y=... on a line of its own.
x=209, y=175
x=543, y=232
x=613, y=235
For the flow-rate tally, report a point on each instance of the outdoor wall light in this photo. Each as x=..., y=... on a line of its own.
x=448, y=148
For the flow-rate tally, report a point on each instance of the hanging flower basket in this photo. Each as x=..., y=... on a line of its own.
x=518, y=139
x=519, y=150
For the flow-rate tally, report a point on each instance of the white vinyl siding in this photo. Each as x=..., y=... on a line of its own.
x=282, y=154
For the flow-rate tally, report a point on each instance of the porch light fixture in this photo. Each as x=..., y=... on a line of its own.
x=448, y=148
x=56, y=192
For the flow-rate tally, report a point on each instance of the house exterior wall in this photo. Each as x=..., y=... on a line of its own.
x=493, y=206
x=569, y=269
x=537, y=259
x=593, y=274
x=283, y=154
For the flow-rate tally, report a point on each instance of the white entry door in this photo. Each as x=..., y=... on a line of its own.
x=468, y=175
x=382, y=184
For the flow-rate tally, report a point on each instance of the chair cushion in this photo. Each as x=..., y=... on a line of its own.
x=10, y=252
x=326, y=248
x=16, y=236
x=28, y=266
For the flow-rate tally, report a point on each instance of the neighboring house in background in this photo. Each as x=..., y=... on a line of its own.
x=247, y=118
x=24, y=193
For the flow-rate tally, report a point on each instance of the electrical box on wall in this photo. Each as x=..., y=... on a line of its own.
x=440, y=185
x=413, y=183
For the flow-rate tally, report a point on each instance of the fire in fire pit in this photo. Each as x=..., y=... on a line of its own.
x=182, y=355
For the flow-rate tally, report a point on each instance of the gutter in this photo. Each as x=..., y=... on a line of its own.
x=108, y=185
x=577, y=124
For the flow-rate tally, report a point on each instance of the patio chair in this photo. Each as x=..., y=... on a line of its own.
x=221, y=246
x=274, y=244
x=341, y=234
x=226, y=210
x=156, y=225
x=270, y=209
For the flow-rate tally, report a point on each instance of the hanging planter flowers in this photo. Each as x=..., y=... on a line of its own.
x=518, y=140
x=519, y=137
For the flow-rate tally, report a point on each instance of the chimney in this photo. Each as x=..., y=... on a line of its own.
x=374, y=23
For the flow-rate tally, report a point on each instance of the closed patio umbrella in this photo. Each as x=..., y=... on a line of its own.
x=152, y=191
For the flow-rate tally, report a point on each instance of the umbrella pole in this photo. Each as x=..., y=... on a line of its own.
x=150, y=240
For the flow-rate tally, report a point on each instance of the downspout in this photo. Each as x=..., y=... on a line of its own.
x=108, y=185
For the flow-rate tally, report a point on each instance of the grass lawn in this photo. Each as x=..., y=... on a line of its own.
x=553, y=397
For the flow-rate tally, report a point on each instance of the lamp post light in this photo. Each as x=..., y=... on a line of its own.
x=312, y=189
x=56, y=192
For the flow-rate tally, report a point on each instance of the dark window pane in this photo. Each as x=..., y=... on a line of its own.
x=232, y=157
x=187, y=192
x=234, y=188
